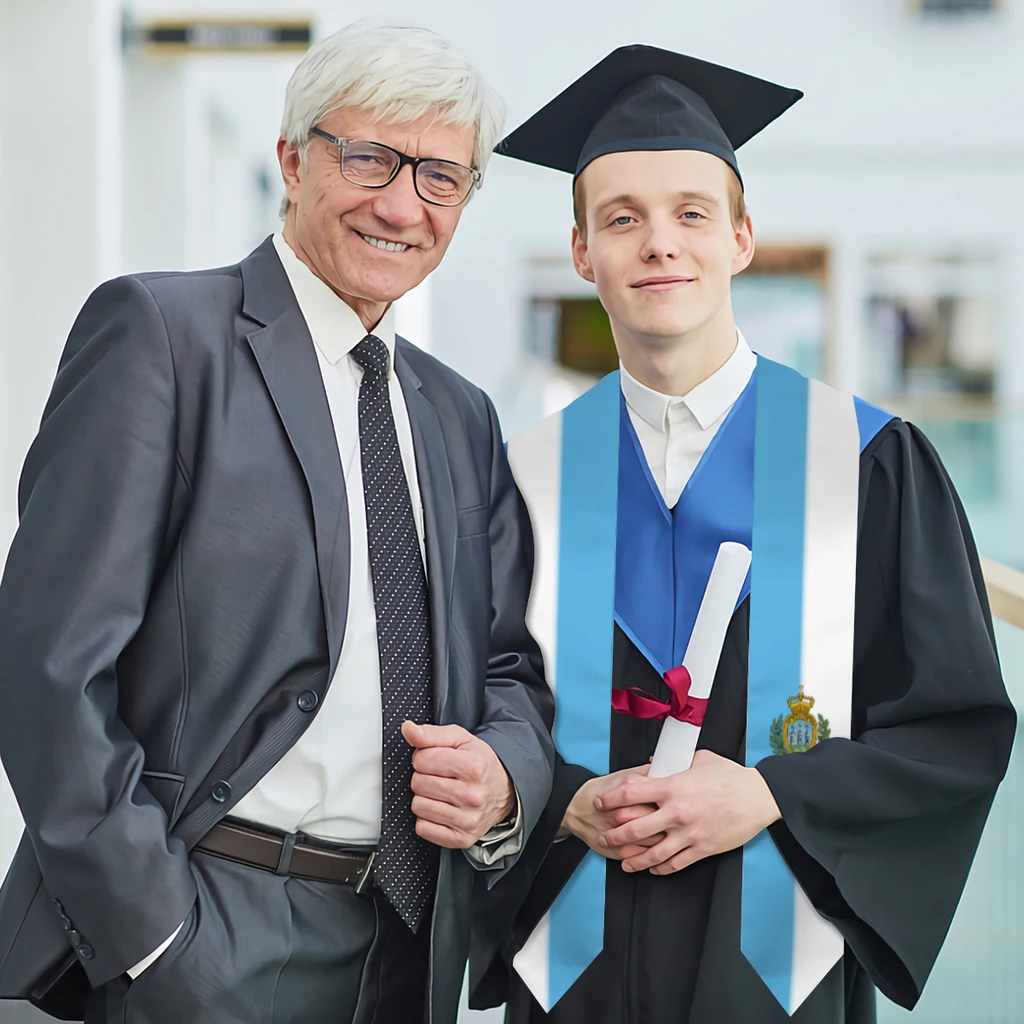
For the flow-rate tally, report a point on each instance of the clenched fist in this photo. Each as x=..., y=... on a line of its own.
x=461, y=789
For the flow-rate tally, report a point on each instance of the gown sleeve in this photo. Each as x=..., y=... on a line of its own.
x=505, y=916
x=881, y=829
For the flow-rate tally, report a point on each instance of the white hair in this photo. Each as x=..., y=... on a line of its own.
x=396, y=73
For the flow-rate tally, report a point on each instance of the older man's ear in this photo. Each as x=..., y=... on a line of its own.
x=291, y=164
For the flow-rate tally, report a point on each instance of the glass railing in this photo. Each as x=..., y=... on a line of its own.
x=979, y=978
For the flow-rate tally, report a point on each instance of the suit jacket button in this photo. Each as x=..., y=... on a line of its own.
x=85, y=951
x=221, y=792
x=308, y=700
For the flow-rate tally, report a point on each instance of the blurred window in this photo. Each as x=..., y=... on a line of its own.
x=932, y=327
x=781, y=305
x=574, y=333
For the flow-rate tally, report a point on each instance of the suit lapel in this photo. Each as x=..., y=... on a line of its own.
x=287, y=360
x=440, y=518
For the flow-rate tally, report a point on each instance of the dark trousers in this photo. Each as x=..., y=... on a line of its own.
x=261, y=948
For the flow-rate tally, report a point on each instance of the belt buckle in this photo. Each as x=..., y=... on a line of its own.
x=366, y=873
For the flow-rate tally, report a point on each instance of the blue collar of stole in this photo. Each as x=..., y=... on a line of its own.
x=645, y=567
x=664, y=556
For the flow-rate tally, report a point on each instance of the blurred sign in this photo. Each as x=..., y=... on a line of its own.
x=941, y=7
x=220, y=35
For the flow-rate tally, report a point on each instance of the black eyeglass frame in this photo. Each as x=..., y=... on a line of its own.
x=403, y=159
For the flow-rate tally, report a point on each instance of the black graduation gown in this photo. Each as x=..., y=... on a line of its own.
x=880, y=831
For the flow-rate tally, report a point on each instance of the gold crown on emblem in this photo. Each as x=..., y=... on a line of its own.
x=800, y=705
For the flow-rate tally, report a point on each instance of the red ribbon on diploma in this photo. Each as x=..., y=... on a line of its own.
x=638, y=704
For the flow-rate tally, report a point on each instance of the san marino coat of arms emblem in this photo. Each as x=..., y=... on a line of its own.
x=800, y=730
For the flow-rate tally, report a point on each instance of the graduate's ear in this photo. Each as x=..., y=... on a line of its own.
x=744, y=246
x=581, y=256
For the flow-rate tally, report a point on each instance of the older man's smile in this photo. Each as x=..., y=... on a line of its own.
x=383, y=243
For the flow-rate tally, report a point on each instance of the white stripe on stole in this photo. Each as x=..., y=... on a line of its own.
x=830, y=571
x=536, y=460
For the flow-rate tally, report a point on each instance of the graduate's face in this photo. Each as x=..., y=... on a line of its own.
x=660, y=243
x=336, y=226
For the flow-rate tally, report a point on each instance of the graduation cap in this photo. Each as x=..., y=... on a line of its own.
x=645, y=98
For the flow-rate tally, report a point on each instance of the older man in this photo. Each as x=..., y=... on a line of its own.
x=268, y=696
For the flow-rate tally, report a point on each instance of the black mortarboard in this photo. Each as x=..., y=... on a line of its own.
x=643, y=98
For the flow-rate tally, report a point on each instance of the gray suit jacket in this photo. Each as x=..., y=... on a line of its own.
x=180, y=576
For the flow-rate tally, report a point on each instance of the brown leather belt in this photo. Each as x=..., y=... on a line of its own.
x=286, y=855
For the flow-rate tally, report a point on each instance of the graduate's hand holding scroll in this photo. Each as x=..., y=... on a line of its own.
x=715, y=806
x=584, y=820
x=461, y=788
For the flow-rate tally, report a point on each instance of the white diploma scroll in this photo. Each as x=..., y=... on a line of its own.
x=678, y=740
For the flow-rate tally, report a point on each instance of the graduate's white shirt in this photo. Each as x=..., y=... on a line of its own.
x=329, y=783
x=675, y=432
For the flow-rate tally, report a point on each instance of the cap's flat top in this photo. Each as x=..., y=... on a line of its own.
x=642, y=97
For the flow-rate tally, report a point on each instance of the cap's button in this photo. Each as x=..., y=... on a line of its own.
x=221, y=792
x=308, y=700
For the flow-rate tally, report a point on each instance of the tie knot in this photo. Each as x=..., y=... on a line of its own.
x=372, y=355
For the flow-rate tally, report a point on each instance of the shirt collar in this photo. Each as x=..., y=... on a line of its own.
x=333, y=323
x=708, y=402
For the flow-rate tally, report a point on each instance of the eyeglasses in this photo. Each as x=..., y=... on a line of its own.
x=374, y=165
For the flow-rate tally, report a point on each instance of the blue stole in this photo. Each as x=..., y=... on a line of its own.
x=662, y=561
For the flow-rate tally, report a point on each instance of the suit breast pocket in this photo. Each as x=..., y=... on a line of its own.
x=471, y=522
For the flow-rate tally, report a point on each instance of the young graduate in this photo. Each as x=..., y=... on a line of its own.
x=858, y=726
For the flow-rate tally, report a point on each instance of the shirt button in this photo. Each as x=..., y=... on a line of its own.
x=74, y=937
x=308, y=700
x=221, y=792
x=85, y=951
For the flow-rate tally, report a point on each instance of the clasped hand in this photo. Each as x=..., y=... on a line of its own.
x=461, y=789
x=665, y=825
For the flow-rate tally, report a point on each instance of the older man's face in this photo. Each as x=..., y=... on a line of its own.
x=334, y=225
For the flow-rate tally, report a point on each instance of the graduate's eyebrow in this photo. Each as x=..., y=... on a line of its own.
x=698, y=197
x=625, y=199
x=620, y=200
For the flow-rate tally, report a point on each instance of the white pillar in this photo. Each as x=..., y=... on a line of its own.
x=848, y=315
x=158, y=193
x=7, y=507
x=60, y=178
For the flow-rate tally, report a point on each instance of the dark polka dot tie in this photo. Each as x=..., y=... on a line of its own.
x=406, y=865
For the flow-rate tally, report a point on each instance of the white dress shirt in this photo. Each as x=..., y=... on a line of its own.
x=675, y=432
x=329, y=783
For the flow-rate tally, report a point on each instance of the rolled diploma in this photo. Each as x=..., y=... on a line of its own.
x=678, y=740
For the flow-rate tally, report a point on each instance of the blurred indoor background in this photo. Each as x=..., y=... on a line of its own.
x=140, y=136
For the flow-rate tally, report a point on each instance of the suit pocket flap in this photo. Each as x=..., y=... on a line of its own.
x=166, y=787
x=472, y=521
